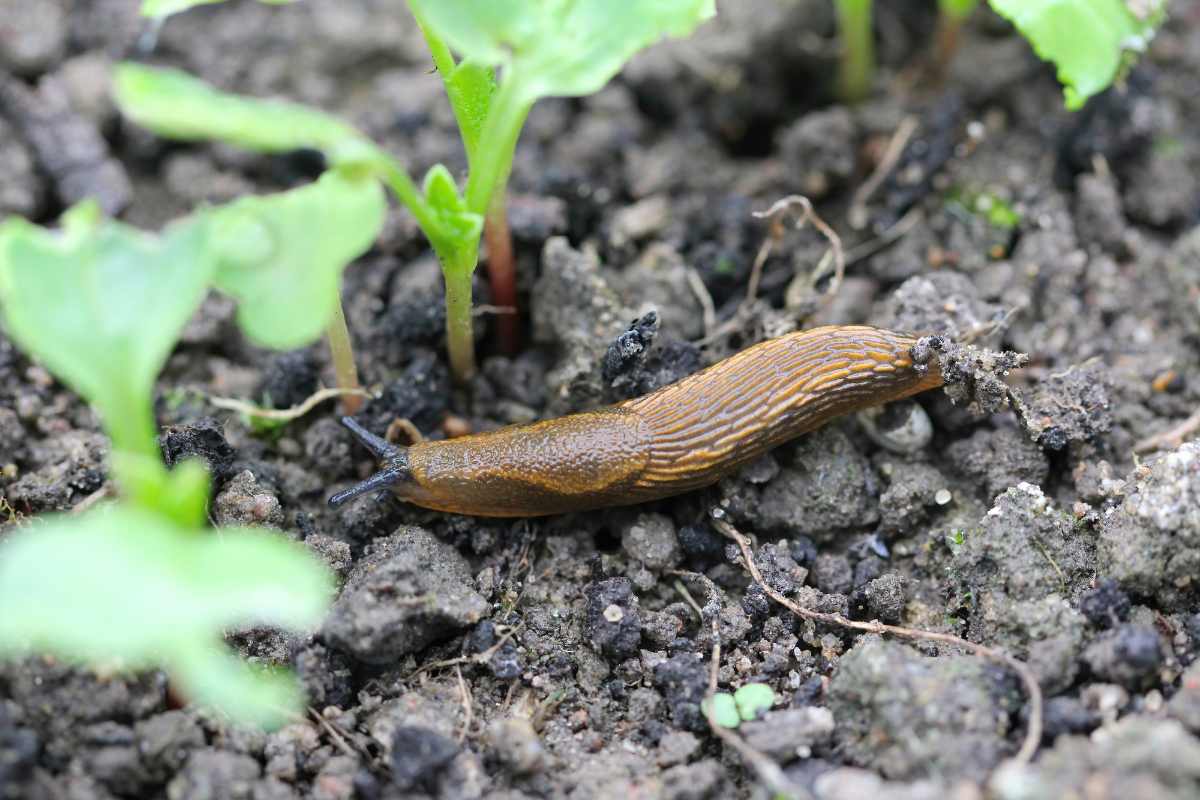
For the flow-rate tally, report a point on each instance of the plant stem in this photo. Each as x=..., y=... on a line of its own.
x=497, y=144
x=858, y=49
x=457, y=268
x=342, y=352
x=502, y=271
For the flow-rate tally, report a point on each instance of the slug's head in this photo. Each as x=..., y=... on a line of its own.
x=393, y=460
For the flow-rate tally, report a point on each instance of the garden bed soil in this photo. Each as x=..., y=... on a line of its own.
x=566, y=656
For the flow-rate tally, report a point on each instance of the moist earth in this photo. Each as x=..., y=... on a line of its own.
x=1047, y=506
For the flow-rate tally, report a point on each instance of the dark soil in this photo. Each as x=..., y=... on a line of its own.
x=581, y=646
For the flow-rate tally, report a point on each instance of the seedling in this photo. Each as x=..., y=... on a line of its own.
x=143, y=582
x=513, y=52
x=748, y=703
x=1091, y=42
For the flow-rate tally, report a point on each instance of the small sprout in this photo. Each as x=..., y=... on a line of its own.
x=753, y=700
x=513, y=52
x=858, y=49
x=956, y=538
x=724, y=710
x=143, y=583
x=998, y=213
x=747, y=703
x=126, y=588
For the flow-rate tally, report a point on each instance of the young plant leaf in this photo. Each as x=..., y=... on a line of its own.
x=753, y=700
x=176, y=105
x=165, y=8
x=1089, y=41
x=724, y=710
x=66, y=299
x=282, y=255
x=558, y=47
x=454, y=223
x=124, y=587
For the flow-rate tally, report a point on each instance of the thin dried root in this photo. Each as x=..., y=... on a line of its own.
x=775, y=214
x=285, y=414
x=1033, y=733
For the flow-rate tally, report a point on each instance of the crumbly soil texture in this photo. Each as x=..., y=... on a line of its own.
x=1046, y=516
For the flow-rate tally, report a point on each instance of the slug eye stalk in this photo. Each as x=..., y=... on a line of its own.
x=394, y=458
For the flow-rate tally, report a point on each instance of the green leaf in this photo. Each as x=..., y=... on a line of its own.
x=282, y=255
x=724, y=710
x=753, y=700
x=455, y=225
x=470, y=88
x=558, y=47
x=125, y=588
x=101, y=305
x=165, y=8
x=1090, y=42
x=178, y=106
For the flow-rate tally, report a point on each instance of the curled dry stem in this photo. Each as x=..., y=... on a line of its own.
x=285, y=414
x=1033, y=732
x=776, y=216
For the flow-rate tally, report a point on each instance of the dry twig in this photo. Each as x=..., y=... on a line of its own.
x=1170, y=438
x=891, y=156
x=1033, y=733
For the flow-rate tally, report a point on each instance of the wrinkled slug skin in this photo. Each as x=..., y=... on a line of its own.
x=681, y=437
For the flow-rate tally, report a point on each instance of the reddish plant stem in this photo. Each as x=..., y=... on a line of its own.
x=502, y=272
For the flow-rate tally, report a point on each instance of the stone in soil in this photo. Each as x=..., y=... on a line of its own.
x=1136, y=757
x=203, y=439
x=827, y=487
x=908, y=716
x=613, y=620
x=408, y=591
x=1015, y=574
x=1150, y=543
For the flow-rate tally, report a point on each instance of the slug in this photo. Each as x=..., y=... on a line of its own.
x=681, y=437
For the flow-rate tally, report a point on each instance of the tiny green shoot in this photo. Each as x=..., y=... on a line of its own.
x=858, y=49
x=748, y=703
x=511, y=53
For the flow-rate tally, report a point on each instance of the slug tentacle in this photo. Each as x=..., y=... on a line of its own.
x=395, y=472
x=681, y=437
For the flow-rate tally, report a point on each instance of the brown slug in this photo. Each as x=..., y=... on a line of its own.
x=681, y=437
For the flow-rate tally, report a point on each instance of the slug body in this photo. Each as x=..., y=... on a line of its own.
x=680, y=437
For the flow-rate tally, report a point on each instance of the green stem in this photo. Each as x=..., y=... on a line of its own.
x=858, y=49
x=457, y=267
x=342, y=352
x=406, y=191
x=498, y=143
x=136, y=461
